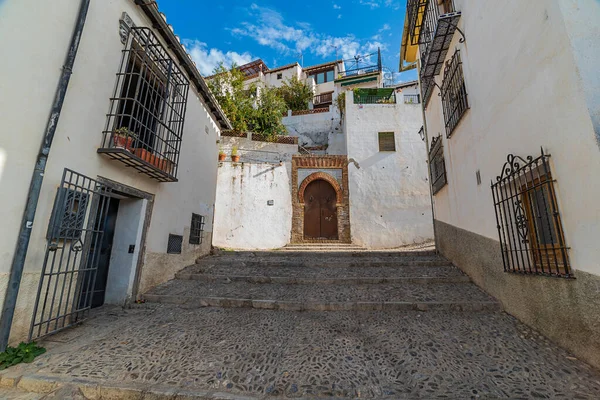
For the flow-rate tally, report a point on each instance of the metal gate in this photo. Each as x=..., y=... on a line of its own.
x=70, y=264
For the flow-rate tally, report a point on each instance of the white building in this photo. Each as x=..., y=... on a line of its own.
x=359, y=177
x=511, y=96
x=127, y=169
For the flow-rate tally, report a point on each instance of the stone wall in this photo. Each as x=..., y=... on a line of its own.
x=565, y=310
x=326, y=168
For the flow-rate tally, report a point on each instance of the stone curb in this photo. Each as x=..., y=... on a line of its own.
x=286, y=280
x=329, y=306
x=96, y=390
x=323, y=263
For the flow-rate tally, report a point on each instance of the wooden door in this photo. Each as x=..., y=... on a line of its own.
x=320, y=211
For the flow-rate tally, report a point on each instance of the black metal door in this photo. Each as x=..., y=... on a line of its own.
x=70, y=265
x=105, y=249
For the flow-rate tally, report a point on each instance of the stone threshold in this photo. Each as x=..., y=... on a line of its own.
x=322, y=263
x=225, y=302
x=287, y=280
x=101, y=389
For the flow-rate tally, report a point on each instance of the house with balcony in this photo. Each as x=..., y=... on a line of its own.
x=510, y=98
x=109, y=174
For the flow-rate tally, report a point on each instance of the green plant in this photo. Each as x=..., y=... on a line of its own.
x=234, y=151
x=24, y=352
x=340, y=102
x=221, y=152
x=296, y=94
x=125, y=132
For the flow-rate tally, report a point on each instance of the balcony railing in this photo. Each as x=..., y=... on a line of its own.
x=374, y=96
x=412, y=99
x=323, y=99
x=432, y=25
x=362, y=65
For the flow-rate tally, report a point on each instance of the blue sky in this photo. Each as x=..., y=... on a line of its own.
x=279, y=31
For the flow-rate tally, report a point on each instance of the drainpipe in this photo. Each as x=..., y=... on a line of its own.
x=18, y=262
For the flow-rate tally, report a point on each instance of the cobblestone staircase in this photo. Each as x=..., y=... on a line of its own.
x=325, y=279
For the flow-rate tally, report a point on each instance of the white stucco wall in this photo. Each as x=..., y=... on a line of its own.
x=33, y=61
x=243, y=217
x=527, y=88
x=313, y=129
x=257, y=151
x=389, y=194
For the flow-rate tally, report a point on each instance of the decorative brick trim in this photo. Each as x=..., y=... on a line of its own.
x=315, y=161
x=324, y=177
x=313, y=111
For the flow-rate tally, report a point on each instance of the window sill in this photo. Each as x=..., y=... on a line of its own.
x=142, y=161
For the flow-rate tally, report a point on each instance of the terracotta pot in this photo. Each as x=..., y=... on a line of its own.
x=222, y=156
x=122, y=142
x=235, y=158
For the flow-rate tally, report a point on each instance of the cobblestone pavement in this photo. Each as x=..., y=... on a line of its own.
x=396, y=292
x=270, y=354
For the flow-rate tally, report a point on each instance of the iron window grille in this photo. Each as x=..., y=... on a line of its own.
x=196, y=229
x=412, y=99
x=422, y=133
x=387, y=141
x=145, y=121
x=528, y=220
x=437, y=165
x=174, y=244
x=67, y=219
x=454, y=93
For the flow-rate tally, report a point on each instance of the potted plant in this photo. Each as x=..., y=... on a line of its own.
x=234, y=154
x=222, y=155
x=123, y=138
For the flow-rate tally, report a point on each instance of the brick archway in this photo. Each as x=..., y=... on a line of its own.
x=323, y=176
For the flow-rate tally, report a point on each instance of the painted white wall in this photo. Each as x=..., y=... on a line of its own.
x=389, y=194
x=128, y=231
x=256, y=151
x=526, y=91
x=33, y=61
x=313, y=129
x=243, y=218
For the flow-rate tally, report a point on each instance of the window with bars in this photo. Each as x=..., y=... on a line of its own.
x=147, y=111
x=387, y=141
x=437, y=165
x=529, y=226
x=174, y=244
x=454, y=93
x=68, y=214
x=196, y=229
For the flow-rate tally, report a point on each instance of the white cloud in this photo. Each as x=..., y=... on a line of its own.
x=207, y=59
x=385, y=27
x=270, y=29
x=377, y=3
x=337, y=7
x=371, y=3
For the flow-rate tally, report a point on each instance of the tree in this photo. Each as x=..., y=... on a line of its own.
x=262, y=115
x=296, y=94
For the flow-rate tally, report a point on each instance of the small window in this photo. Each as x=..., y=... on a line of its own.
x=454, y=93
x=437, y=165
x=321, y=78
x=329, y=76
x=387, y=141
x=279, y=76
x=174, y=244
x=196, y=229
x=528, y=220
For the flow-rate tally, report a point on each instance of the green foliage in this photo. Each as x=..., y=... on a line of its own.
x=24, y=352
x=234, y=151
x=267, y=119
x=244, y=110
x=341, y=103
x=296, y=94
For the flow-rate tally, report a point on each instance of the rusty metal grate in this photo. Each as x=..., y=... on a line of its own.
x=174, y=244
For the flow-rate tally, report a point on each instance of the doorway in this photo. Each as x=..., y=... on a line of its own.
x=320, y=211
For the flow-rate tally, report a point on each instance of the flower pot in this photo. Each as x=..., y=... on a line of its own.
x=222, y=156
x=123, y=142
x=235, y=158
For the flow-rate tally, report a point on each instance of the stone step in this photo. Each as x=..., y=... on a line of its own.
x=276, y=273
x=320, y=254
x=322, y=262
x=323, y=247
x=325, y=297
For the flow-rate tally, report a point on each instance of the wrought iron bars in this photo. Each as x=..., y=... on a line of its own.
x=196, y=229
x=147, y=112
x=437, y=165
x=528, y=221
x=454, y=93
x=70, y=265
